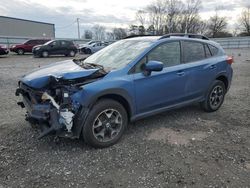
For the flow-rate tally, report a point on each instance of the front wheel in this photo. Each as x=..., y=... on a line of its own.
x=215, y=97
x=105, y=124
x=45, y=54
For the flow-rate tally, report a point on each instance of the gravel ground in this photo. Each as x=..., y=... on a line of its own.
x=181, y=148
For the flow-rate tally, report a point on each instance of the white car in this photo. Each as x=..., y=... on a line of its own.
x=93, y=47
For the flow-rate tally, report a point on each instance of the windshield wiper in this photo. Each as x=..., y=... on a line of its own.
x=92, y=65
x=84, y=65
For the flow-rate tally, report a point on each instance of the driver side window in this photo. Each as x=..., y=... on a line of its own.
x=168, y=53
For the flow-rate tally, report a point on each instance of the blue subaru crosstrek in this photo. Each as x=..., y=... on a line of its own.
x=95, y=98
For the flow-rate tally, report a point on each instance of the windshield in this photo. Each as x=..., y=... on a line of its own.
x=118, y=54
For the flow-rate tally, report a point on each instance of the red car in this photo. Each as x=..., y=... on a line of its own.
x=27, y=46
x=3, y=50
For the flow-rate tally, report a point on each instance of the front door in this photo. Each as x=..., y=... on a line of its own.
x=160, y=89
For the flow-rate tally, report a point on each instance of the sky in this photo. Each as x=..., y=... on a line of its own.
x=109, y=13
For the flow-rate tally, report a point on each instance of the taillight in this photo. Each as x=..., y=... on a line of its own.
x=230, y=60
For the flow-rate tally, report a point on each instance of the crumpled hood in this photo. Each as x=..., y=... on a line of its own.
x=65, y=70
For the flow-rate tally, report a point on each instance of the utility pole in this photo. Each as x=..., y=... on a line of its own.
x=78, y=28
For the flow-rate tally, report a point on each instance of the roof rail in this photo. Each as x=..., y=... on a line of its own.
x=188, y=35
x=133, y=36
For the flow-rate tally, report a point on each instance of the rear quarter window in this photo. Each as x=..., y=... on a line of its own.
x=214, y=51
x=207, y=51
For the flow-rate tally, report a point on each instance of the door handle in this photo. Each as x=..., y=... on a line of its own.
x=213, y=67
x=180, y=73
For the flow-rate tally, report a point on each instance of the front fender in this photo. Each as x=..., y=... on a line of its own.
x=90, y=93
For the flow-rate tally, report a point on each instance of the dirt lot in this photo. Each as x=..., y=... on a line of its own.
x=181, y=148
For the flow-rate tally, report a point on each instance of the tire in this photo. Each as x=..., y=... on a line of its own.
x=20, y=51
x=72, y=53
x=45, y=54
x=106, y=119
x=215, y=97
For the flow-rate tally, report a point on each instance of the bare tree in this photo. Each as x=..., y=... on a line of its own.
x=216, y=25
x=88, y=34
x=119, y=33
x=167, y=16
x=173, y=11
x=245, y=21
x=157, y=14
x=98, y=32
x=141, y=17
x=189, y=16
x=133, y=30
x=110, y=36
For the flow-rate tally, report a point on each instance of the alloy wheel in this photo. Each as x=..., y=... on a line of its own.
x=107, y=125
x=216, y=97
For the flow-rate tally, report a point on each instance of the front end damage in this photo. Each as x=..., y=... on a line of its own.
x=53, y=107
x=53, y=112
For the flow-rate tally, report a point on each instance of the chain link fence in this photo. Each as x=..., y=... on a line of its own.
x=233, y=42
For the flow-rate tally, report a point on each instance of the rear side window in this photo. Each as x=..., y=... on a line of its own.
x=214, y=51
x=193, y=51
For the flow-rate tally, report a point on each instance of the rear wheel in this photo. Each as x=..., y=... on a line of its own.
x=215, y=97
x=105, y=124
x=20, y=51
x=45, y=54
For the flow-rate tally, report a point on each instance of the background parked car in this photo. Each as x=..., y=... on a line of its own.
x=3, y=49
x=55, y=47
x=27, y=46
x=93, y=47
x=81, y=46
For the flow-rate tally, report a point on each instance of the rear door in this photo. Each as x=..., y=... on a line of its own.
x=200, y=67
x=64, y=47
x=160, y=89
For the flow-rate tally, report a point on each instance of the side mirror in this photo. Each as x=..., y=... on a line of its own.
x=151, y=66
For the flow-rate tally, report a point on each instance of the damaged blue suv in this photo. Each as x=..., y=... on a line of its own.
x=95, y=98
